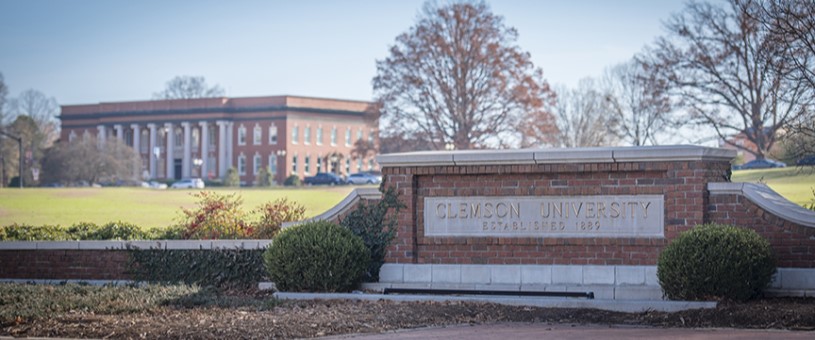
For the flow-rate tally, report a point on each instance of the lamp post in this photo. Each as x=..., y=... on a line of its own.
x=157, y=153
x=20, y=144
x=197, y=163
x=449, y=146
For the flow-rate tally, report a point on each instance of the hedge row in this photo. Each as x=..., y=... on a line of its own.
x=85, y=231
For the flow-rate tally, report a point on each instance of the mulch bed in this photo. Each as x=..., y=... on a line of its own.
x=296, y=319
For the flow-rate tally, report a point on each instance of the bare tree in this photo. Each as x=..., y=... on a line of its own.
x=793, y=23
x=85, y=160
x=188, y=87
x=35, y=122
x=729, y=72
x=640, y=106
x=3, y=94
x=583, y=117
x=457, y=76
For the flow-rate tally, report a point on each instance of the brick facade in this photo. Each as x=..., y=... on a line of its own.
x=64, y=264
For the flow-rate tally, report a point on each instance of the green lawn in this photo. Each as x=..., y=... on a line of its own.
x=795, y=184
x=144, y=207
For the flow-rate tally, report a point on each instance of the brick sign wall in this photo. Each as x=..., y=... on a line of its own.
x=678, y=174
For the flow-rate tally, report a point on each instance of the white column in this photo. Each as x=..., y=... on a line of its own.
x=169, y=146
x=136, y=138
x=137, y=148
x=153, y=159
x=186, y=162
x=119, y=132
x=100, y=135
x=204, y=154
x=230, y=152
x=221, y=148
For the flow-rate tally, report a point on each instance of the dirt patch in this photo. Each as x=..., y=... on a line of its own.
x=296, y=319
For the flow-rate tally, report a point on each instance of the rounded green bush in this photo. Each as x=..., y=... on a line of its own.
x=316, y=256
x=716, y=262
x=292, y=181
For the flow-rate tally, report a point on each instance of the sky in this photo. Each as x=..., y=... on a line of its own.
x=85, y=51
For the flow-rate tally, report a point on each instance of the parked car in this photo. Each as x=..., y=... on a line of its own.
x=809, y=160
x=190, y=183
x=364, y=178
x=762, y=164
x=156, y=185
x=323, y=178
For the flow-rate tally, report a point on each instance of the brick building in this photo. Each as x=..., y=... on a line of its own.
x=291, y=135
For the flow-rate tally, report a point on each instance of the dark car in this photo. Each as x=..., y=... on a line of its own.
x=762, y=164
x=809, y=160
x=323, y=178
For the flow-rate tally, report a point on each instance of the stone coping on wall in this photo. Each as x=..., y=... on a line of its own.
x=118, y=245
x=767, y=199
x=343, y=207
x=557, y=155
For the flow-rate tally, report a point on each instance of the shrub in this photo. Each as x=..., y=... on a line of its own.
x=272, y=216
x=168, y=233
x=376, y=229
x=232, y=178
x=292, y=181
x=82, y=231
x=218, y=268
x=23, y=232
x=316, y=256
x=264, y=177
x=217, y=217
x=716, y=262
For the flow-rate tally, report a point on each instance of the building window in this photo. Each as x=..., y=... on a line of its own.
x=242, y=164
x=256, y=164
x=294, y=165
x=347, y=136
x=319, y=163
x=370, y=164
x=144, y=141
x=359, y=135
x=295, y=134
x=71, y=136
x=242, y=135
x=347, y=165
x=371, y=136
x=162, y=138
x=196, y=138
x=211, y=135
x=256, y=135
x=359, y=164
x=320, y=135
x=179, y=138
x=307, y=135
x=273, y=164
x=334, y=135
x=210, y=167
x=307, y=164
x=272, y=134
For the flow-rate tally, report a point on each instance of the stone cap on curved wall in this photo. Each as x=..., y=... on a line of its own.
x=343, y=207
x=557, y=155
x=767, y=199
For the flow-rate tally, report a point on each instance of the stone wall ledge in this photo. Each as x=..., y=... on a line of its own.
x=120, y=245
x=767, y=199
x=554, y=156
x=343, y=207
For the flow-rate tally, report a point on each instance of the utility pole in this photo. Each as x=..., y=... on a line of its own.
x=20, y=144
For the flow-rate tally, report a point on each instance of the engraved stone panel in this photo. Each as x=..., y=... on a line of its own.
x=551, y=216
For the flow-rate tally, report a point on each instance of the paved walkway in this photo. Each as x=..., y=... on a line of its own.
x=521, y=331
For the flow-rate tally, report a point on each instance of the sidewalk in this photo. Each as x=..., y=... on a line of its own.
x=522, y=331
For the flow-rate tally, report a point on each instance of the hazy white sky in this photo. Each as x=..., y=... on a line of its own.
x=113, y=50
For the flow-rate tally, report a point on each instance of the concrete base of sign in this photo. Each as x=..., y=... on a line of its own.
x=606, y=282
